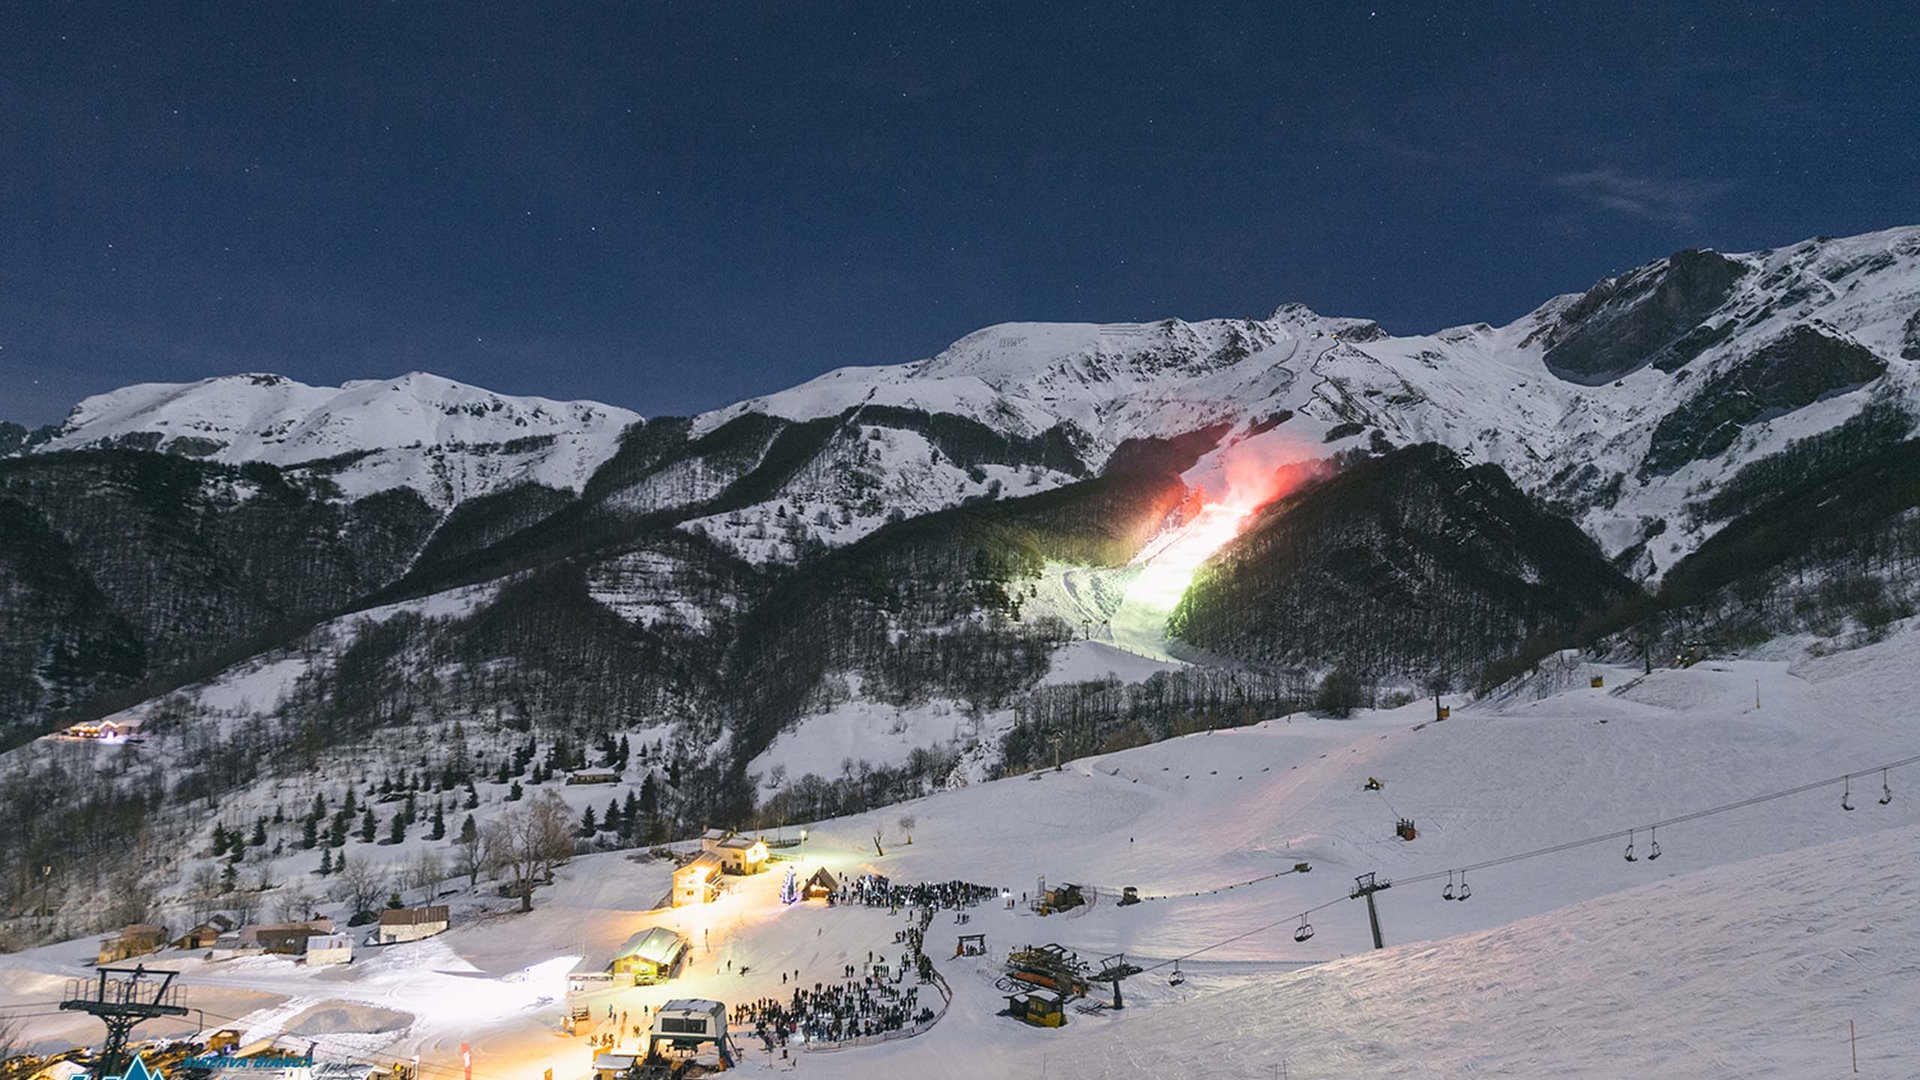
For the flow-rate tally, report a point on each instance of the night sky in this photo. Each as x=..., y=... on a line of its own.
x=670, y=206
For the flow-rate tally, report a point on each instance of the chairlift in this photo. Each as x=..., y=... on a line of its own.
x=1177, y=977
x=1886, y=791
x=1305, y=931
x=1465, y=889
x=1631, y=857
x=1448, y=894
x=1846, y=793
x=1654, y=845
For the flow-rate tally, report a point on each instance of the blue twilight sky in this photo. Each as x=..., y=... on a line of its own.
x=669, y=206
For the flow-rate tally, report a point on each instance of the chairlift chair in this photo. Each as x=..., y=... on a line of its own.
x=1653, y=846
x=1176, y=978
x=1886, y=791
x=1448, y=894
x=1846, y=794
x=1631, y=857
x=1465, y=889
x=1305, y=931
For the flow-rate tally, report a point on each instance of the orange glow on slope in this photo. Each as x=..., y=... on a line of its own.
x=1255, y=475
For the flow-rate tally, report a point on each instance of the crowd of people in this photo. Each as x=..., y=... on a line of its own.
x=832, y=1012
x=874, y=890
x=876, y=1002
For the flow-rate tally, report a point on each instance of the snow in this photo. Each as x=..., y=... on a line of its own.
x=1097, y=661
x=856, y=731
x=445, y=439
x=1483, y=391
x=1742, y=951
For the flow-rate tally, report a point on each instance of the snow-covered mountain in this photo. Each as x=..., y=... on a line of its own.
x=1623, y=404
x=1047, y=537
x=445, y=439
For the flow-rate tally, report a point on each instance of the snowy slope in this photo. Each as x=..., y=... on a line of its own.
x=1742, y=951
x=1488, y=392
x=447, y=440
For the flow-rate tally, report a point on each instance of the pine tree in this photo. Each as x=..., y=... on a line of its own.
x=469, y=830
x=368, y=826
x=397, y=829
x=611, y=819
x=259, y=834
x=326, y=862
x=514, y=792
x=309, y=832
x=473, y=797
x=219, y=840
x=587, y=826
x=630, y=814
x=439, y=823
x=502, y=776
x=229, y=878
x=650, y=806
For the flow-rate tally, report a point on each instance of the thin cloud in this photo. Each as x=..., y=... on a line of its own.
x=1650, y=198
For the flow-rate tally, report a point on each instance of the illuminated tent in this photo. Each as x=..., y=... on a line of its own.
x=821, y=884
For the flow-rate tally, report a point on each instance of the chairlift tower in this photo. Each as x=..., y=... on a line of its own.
x=122, y=998
x=1115, y=969
x=1365, y=885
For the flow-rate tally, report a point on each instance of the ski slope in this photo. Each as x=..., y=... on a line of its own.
x=1742, y=951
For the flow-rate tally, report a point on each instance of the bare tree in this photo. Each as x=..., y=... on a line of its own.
x=529, y=840
x=907, y=823
x=10, y=1044
x=245, y=905
x=292, y=903
x=361, y=884
x=203, y=892
x=424, y=873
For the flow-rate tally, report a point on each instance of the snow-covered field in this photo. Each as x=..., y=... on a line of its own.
x=1742, y=951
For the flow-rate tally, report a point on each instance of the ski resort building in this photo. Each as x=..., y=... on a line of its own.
x=139, y=939
x=737, y=854
x=325, y=950
x=410, y=924
x=612, y=1066
x=698, y=882
x=650, y=956
x=206, y=935
x=284, y=939
x=683, y=1025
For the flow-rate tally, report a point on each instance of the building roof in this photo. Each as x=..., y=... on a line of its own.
x=691, y=1005
x=414, y=916
x=705, y=862
x=614, y=1062
x=657, y=945
x=737, y=843
x=823, y=879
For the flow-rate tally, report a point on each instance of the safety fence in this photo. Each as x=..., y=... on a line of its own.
x=946, y=999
